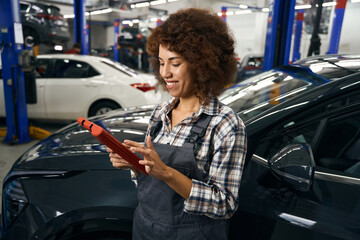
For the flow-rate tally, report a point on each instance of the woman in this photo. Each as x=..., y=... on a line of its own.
x=195, y=145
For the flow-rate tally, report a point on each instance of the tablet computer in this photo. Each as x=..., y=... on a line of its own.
x=106, y=138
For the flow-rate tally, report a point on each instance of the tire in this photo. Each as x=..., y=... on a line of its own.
x=102, y=107
x=31, y=37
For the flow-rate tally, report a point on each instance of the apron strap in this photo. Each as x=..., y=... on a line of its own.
x=197, y=132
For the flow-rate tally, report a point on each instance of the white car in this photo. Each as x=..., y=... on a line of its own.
x=69, y=86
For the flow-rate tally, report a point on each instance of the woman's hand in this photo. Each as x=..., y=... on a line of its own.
x=119, y=162
x=152, y=162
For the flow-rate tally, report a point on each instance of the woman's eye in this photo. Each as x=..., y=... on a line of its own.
x=176, y=64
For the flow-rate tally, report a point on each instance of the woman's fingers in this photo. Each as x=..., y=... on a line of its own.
x=149, y=143
x=134, y=144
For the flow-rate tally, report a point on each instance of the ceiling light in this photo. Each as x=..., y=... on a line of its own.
x=265, y=10
x=298, y=7
x=69, y=16
x=143, y=4
x=173, y=0
x=242, y=12
x=243, y=6
x=152, y=3
x=329, y=4
x=355, y=1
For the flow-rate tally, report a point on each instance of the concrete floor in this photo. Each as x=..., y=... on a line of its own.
x=10, y=153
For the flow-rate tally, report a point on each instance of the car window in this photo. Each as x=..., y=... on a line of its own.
x=339, y=146
x=120, y=67
x=333, y=135
x=263, y=92
x=36, y=9
x=23, y=7
x=66, y=68
x=41, y=68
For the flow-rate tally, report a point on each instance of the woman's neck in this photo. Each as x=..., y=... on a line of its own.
x=188, y=105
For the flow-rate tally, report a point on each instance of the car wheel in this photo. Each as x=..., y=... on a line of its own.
x=31, y=37
x=102, y=107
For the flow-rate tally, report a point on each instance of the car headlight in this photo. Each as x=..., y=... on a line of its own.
x=14, y=200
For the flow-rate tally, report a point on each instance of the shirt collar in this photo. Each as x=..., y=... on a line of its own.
x=212, y=108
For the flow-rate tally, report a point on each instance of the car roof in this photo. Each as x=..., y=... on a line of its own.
x=71, y=56
x=304, y=101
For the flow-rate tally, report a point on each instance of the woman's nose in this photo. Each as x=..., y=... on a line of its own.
x=165, y=71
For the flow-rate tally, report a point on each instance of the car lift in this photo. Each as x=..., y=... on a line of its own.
x=11, y=41
x=15, y=60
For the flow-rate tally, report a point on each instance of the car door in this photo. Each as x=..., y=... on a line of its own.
x=70, y=89
x=272, y=209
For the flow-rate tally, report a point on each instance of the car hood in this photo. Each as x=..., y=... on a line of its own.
x=74, y=148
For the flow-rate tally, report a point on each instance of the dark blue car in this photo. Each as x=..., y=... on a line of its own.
x=301, y=178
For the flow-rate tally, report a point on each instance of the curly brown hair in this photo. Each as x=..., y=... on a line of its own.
x=204, y=40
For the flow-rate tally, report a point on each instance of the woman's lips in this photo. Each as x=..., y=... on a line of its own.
x=170, y=85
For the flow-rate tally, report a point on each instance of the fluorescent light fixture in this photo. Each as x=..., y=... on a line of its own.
x=219, y=14
x=298, y=7
x=143, y=4
x=132, y=6
x=265, y=10
x=329, y=4
x=154, y=19
x=229, y=13
x=243, y=6
x=173, y=0
x=355, y=1
x=128, y=22
x=152, y=3
x=242, y=12
x=69, y=16
x=58, y=48
x=103, y=11
x=135, y=21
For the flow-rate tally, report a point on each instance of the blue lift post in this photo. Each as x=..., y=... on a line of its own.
x=298, y=31
x=11, y=41
x=116, y=33
x=80, y=26
x=278, y=34
x=337, y=25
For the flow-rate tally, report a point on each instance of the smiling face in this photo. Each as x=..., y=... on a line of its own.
x=177, y=74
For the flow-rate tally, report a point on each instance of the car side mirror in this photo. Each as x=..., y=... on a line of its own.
x=294, y=165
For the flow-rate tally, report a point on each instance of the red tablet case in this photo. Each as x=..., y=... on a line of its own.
x=106, y=138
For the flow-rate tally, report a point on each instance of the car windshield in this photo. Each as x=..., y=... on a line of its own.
x=120, y=67
x=261, y=92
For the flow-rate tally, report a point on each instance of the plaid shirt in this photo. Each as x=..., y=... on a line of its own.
x=225, y=136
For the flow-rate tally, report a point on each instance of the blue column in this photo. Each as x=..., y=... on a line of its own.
x=278, y=34
x=297, y=38
x=80, y=26
x=223, y=13
x=337, y=25
x=11, y=43
x=116, y=33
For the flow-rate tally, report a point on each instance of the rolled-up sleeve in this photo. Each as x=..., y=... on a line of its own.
x=218, y=196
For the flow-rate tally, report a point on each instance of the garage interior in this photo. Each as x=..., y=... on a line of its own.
x=248, y=20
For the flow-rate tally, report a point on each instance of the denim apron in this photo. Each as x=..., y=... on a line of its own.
x=160, y=213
